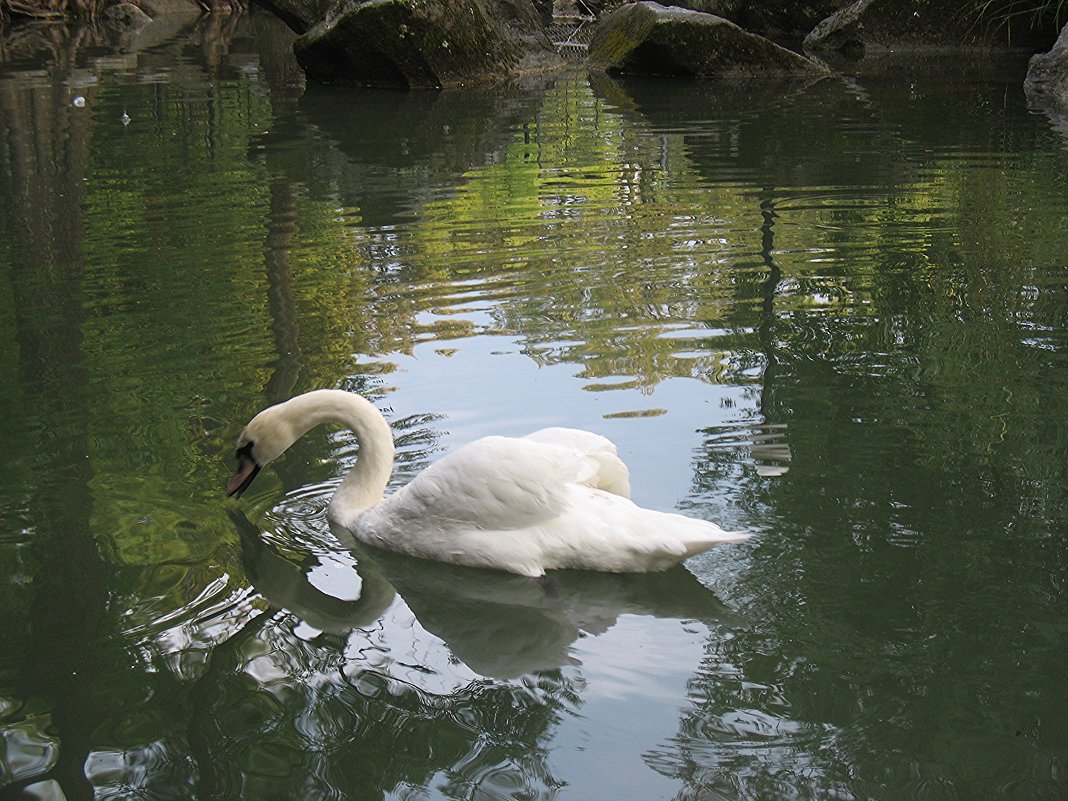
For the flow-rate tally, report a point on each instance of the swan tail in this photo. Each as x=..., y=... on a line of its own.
x=697, y=536
x=672, y=538
x=704, y=543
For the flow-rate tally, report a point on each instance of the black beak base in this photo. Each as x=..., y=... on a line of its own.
x=246, y=472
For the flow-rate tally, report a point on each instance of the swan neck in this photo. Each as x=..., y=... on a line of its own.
x=365, y=484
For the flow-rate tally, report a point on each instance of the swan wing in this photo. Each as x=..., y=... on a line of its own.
x=528, y=505
x=609, y=472
x=495, y=483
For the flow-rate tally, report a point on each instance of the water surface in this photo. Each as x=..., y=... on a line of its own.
x=832, y=313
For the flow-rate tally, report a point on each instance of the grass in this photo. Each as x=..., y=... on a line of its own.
x=1008, y=14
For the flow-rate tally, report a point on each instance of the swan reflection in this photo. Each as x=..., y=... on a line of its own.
x=499, y=625
x=286, y=585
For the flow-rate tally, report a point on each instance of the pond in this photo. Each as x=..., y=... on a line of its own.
x=831, y=313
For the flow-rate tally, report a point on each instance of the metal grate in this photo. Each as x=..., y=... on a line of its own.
x=571, y=36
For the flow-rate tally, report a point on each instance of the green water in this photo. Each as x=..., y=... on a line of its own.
x=834, y=314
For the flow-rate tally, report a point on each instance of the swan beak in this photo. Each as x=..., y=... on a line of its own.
x=246, y=471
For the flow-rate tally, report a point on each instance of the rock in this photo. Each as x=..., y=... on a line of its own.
x=885, y=24
x=650, y=38
x=158, y=8
x=793, y=18
x=426, y=43
x=544, y=10
x=300, y=15
x=1047, y=75
x=842, y=30
x=124, y=17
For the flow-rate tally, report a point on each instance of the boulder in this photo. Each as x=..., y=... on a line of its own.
x=124, y=17
x=169, y=22
x=886, y=24
x=544, y=9
x=426, y=43
x=159, y=8
x=1047, y=76
x=650, y=38
x=789, y=18
x=300, y=15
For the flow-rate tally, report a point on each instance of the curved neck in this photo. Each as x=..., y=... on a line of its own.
x=365, y=484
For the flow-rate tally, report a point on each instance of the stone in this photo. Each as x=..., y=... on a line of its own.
x=906, y=24
x=654, y=39
x=300, y=15
x=426, y=43
x=789, y=18
x=1047, y=75
x=158, y=8
x=124, y=17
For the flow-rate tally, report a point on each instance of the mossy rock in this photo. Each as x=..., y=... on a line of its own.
x=654, y=39
x=426, y=43
x=792, y=18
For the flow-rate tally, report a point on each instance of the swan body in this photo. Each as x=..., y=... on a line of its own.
x=557, y=498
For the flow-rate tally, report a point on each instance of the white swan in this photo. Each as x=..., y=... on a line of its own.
x=556, y=498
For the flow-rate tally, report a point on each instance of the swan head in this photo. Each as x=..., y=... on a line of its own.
x=264, y=439
x=277, y=427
